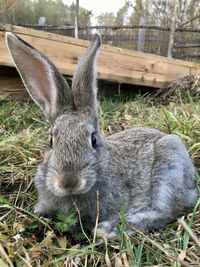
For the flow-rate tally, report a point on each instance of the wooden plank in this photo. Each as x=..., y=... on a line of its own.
x=114, y=64
x=84, y=43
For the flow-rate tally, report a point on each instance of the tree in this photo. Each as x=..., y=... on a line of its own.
x=138, y=10
x=24, y=13
x=106, y=19
x=7, y=10
x=173, y=27
x=122, y=14
x=29, y=12
x=188, y=10
x=142, y=22
x=76, y=18
x=84, y=16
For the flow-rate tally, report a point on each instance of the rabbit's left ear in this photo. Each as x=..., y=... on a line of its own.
x=84, y=87
x=42, y=80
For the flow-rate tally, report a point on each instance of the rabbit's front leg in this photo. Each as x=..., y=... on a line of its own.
x=49, y=205
x=44, y=210
x=107, y=229
x=46, y=205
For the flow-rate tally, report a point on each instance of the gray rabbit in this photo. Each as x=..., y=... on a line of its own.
x=148, y=170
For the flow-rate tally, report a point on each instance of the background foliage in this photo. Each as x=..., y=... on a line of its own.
x=156, y=12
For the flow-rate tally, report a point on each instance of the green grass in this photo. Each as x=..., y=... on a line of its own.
x=26, y=240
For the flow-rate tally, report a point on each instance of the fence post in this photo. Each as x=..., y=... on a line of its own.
x=172, y=31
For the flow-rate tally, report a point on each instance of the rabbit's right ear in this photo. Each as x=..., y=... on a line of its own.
x=84, y=85
x=42, y=80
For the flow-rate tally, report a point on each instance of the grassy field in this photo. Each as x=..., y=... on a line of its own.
x=26, y=240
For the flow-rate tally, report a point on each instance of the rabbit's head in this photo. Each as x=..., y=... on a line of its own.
x=77, y=151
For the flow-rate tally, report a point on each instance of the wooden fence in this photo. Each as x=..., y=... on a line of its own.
x=186, y=46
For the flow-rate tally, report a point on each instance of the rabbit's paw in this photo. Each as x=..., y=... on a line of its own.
x=41, y=209
x=106, y=229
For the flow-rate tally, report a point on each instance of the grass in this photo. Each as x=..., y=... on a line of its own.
x=26, y=240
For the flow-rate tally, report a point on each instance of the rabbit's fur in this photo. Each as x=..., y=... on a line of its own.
x=150, y=171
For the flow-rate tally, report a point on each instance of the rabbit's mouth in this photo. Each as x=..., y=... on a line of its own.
x=81, y=188
x=66, y=183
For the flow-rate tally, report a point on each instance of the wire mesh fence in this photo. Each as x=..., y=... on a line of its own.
x=186, y=45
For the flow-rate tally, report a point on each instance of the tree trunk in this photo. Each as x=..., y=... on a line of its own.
x=77, y=19
x=142, y=22
x=141, y=34
x=172, y=31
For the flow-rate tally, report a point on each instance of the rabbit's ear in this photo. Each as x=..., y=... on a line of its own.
x=84, y=87
x=42, y=80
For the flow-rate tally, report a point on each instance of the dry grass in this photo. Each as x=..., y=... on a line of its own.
x=26, y=240
x=180, y=88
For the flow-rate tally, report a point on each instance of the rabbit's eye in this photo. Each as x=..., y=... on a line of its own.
x=94, y=140
x=50, y=140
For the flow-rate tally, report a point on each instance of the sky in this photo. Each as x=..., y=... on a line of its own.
x=99, y=6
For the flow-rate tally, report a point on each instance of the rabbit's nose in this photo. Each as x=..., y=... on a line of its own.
x=68, y=180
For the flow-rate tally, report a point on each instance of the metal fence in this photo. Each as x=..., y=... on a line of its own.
x=186, y=46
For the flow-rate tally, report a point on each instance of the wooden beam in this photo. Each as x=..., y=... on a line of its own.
x=114, y=64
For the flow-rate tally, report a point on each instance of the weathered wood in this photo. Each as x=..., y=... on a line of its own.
x=114, y=64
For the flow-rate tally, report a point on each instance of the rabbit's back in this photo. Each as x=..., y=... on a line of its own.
x=152, y=168
x=137, y=138
x=132, y=154
x=144, y=150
